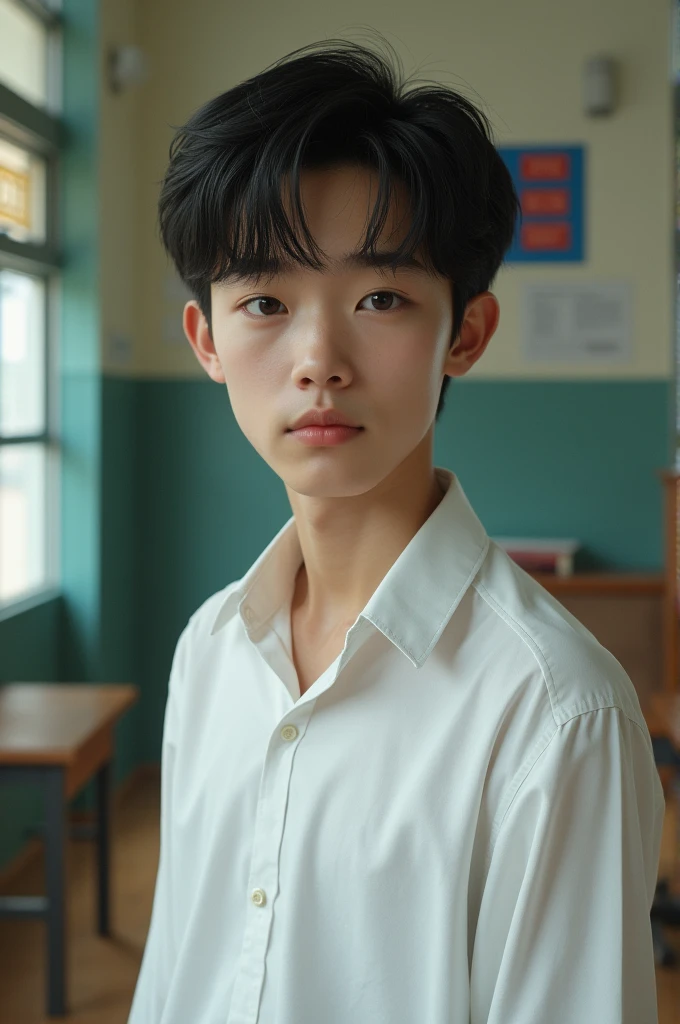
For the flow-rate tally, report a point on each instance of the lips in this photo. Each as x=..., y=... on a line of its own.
x=325, y=437
x=324, y=418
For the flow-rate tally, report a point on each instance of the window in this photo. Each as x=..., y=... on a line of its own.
x=23, y=51
x=30, y=133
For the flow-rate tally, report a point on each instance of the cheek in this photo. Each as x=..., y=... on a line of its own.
x=411, y=370
x=248, y=366
x=253, y=379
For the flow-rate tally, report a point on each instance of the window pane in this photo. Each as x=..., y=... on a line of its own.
x=22, y=519
x=22, y=354
x=23, y=182
x=23, y=53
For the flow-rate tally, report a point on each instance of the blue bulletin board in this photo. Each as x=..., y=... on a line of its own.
x=550, y=184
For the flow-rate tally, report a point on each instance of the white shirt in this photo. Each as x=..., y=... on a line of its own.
x=459, y=822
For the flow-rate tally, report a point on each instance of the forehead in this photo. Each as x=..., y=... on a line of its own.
x=342, y=198
x=337, y=203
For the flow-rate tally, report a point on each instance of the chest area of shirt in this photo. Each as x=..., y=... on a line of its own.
x=374, y=771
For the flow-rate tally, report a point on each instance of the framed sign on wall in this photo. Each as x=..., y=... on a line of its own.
x=550, y=185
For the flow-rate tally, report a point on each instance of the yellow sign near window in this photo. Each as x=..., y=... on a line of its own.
x=14, y=196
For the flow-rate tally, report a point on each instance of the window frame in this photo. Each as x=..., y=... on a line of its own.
x=41, y=131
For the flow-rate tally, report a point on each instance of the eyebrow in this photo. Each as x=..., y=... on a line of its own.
x=386, y=258
x=383, y=259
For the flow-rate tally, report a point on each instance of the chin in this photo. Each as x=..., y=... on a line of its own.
x=325, y=476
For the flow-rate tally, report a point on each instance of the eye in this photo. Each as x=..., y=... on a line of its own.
x=381, y=297
x=261, y=299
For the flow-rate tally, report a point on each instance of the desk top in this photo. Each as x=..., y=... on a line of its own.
x=51, y=723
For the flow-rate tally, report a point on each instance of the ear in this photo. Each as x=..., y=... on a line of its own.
x=198, y=334
x=479, y=324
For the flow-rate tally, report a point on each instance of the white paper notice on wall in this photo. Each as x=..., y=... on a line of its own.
x=585, y=322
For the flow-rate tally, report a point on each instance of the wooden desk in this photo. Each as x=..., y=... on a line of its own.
x=58, y=736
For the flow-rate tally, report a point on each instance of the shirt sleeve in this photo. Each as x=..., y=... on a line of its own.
x=155, y=972
x=564, y=934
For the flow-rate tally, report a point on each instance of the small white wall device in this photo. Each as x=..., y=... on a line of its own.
x=600, y=92
x=127, y=67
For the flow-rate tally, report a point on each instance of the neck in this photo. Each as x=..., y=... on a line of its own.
x=349, y=543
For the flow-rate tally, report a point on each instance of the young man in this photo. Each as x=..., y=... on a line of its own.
x=401, y=784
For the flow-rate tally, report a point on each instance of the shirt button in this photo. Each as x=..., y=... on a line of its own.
x=259, y=897
x=248, y=612
x=289, y=732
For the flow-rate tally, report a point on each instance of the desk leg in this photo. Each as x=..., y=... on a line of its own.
x=55, y=871
x=103, y=831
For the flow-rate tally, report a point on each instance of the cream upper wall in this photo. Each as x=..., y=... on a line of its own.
x=522, y=60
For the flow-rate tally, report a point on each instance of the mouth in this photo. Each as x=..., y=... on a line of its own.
x=316, y=426
x=329, y=435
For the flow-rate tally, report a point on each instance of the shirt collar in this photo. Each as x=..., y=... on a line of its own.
x=416, y=597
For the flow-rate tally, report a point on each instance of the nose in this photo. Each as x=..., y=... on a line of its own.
x=320, y=358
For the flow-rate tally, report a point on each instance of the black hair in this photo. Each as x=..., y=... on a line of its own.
x=221, y=212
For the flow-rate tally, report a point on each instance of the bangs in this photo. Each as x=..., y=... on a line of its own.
x=269, y=243
x=255, y=230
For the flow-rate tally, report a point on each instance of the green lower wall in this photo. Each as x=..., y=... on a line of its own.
x=185, y=505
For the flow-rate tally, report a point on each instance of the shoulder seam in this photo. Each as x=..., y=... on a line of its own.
x=607, y=707
x=528, y=640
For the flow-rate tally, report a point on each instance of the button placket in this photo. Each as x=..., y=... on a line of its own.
x=264, y=874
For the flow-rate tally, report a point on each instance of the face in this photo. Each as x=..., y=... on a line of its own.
x=371, y=343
